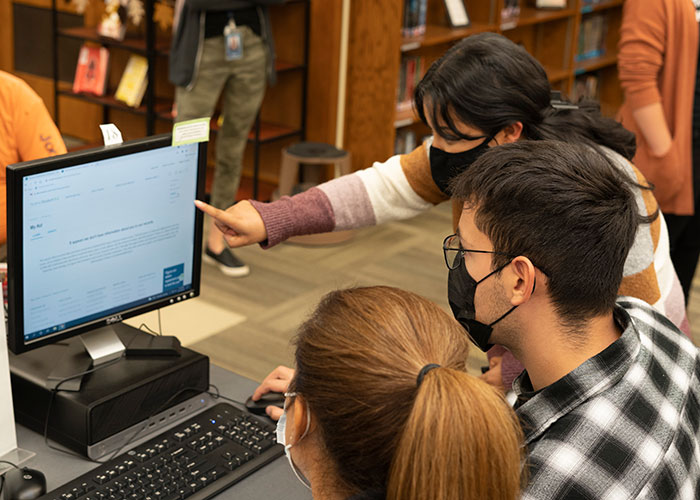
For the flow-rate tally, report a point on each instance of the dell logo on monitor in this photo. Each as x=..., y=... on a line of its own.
x=117, y=318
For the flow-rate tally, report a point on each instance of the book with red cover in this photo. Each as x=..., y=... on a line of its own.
x=91, y=71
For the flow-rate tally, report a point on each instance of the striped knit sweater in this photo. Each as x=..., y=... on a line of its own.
x=402, y=187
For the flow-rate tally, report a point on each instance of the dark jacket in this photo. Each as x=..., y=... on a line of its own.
x=189, y=36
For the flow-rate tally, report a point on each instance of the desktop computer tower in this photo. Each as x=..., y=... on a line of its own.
x=114, y=402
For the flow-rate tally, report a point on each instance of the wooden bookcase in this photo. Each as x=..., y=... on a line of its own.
x=551, y=35
x=308, y=89
x=282, y=118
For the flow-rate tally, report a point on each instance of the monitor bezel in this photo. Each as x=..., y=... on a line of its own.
x=15, y=285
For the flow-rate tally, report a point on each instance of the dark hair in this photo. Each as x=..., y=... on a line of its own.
x=451, y=437
x=564, y=206
x=489, y=82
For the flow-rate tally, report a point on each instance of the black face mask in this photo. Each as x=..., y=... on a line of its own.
x=446, y=166
x=461, y=288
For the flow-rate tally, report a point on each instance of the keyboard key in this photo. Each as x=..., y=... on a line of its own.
x=266, y=444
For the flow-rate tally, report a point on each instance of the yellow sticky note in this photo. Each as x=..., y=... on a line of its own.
x=191, y=131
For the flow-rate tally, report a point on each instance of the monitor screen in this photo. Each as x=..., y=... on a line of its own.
x=97, y=236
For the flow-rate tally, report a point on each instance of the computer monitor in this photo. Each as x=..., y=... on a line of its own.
x=98, y=236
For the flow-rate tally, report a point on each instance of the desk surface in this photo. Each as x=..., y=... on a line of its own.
x=275, y=480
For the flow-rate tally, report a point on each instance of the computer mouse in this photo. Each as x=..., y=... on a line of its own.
x=267, y=399
x=24, y=484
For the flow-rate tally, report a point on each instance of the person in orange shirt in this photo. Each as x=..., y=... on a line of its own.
x=657, y=61
x=27, y=132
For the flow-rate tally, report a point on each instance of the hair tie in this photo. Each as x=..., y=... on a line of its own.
x=557, y=102
x=424, y=371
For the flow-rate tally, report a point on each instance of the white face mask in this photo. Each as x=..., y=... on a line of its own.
x=281, y=438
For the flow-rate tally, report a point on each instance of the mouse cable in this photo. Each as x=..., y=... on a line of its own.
x=9, y=463
x=55, y=390
x=2, y=478
x=218, y=395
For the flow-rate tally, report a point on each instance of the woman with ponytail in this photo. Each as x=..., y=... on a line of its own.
x=380, y=406
x=483, y=92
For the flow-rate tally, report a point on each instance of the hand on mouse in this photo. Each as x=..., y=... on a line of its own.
x=277, y=381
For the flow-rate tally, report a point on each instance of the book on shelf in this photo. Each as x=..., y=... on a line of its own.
x=405, y=142
x=457, y=13
x=586, y=87
x=550, y=4
x=510, y=11
x=410, y=73
x=591, y=39
x=91, y=70
x=132, y=85
x=414, y=18
x=112, y=24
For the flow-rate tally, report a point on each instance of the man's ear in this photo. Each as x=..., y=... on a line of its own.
x=510, y=133
x=523, y=282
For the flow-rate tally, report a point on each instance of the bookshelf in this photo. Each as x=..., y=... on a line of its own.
x=305, y=101
x=275, y=126
x=551, y=35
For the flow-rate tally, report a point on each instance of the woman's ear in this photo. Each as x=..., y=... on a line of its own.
x=510, y=133
x=299, y=422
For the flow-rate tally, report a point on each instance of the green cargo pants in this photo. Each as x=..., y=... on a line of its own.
x=242, y=83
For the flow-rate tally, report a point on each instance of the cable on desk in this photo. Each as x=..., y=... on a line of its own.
x=145, y=327
x=2, y=478
x=53, y=396
x=217, y=395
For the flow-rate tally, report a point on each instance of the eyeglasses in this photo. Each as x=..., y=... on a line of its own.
x=452, y=248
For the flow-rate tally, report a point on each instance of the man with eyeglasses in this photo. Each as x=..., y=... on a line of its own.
x=610, y=396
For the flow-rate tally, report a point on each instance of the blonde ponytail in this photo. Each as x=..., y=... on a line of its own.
x=461, y=441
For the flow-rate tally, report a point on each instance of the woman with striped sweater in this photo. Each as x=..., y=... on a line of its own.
x=485, y=91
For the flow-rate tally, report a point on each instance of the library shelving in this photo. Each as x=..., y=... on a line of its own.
x=576, y=42
x=275, y=123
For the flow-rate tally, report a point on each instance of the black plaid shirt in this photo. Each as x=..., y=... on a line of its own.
x=624, y=424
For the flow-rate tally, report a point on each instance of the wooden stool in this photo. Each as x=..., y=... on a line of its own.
x=313, y=153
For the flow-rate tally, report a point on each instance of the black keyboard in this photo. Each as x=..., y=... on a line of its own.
x=193, y=460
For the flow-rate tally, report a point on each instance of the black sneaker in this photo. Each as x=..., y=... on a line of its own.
x=227, y=263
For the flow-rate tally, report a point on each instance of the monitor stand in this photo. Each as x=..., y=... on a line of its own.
x=89, y=350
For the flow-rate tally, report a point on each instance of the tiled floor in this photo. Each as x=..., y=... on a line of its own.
x=245, y=324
